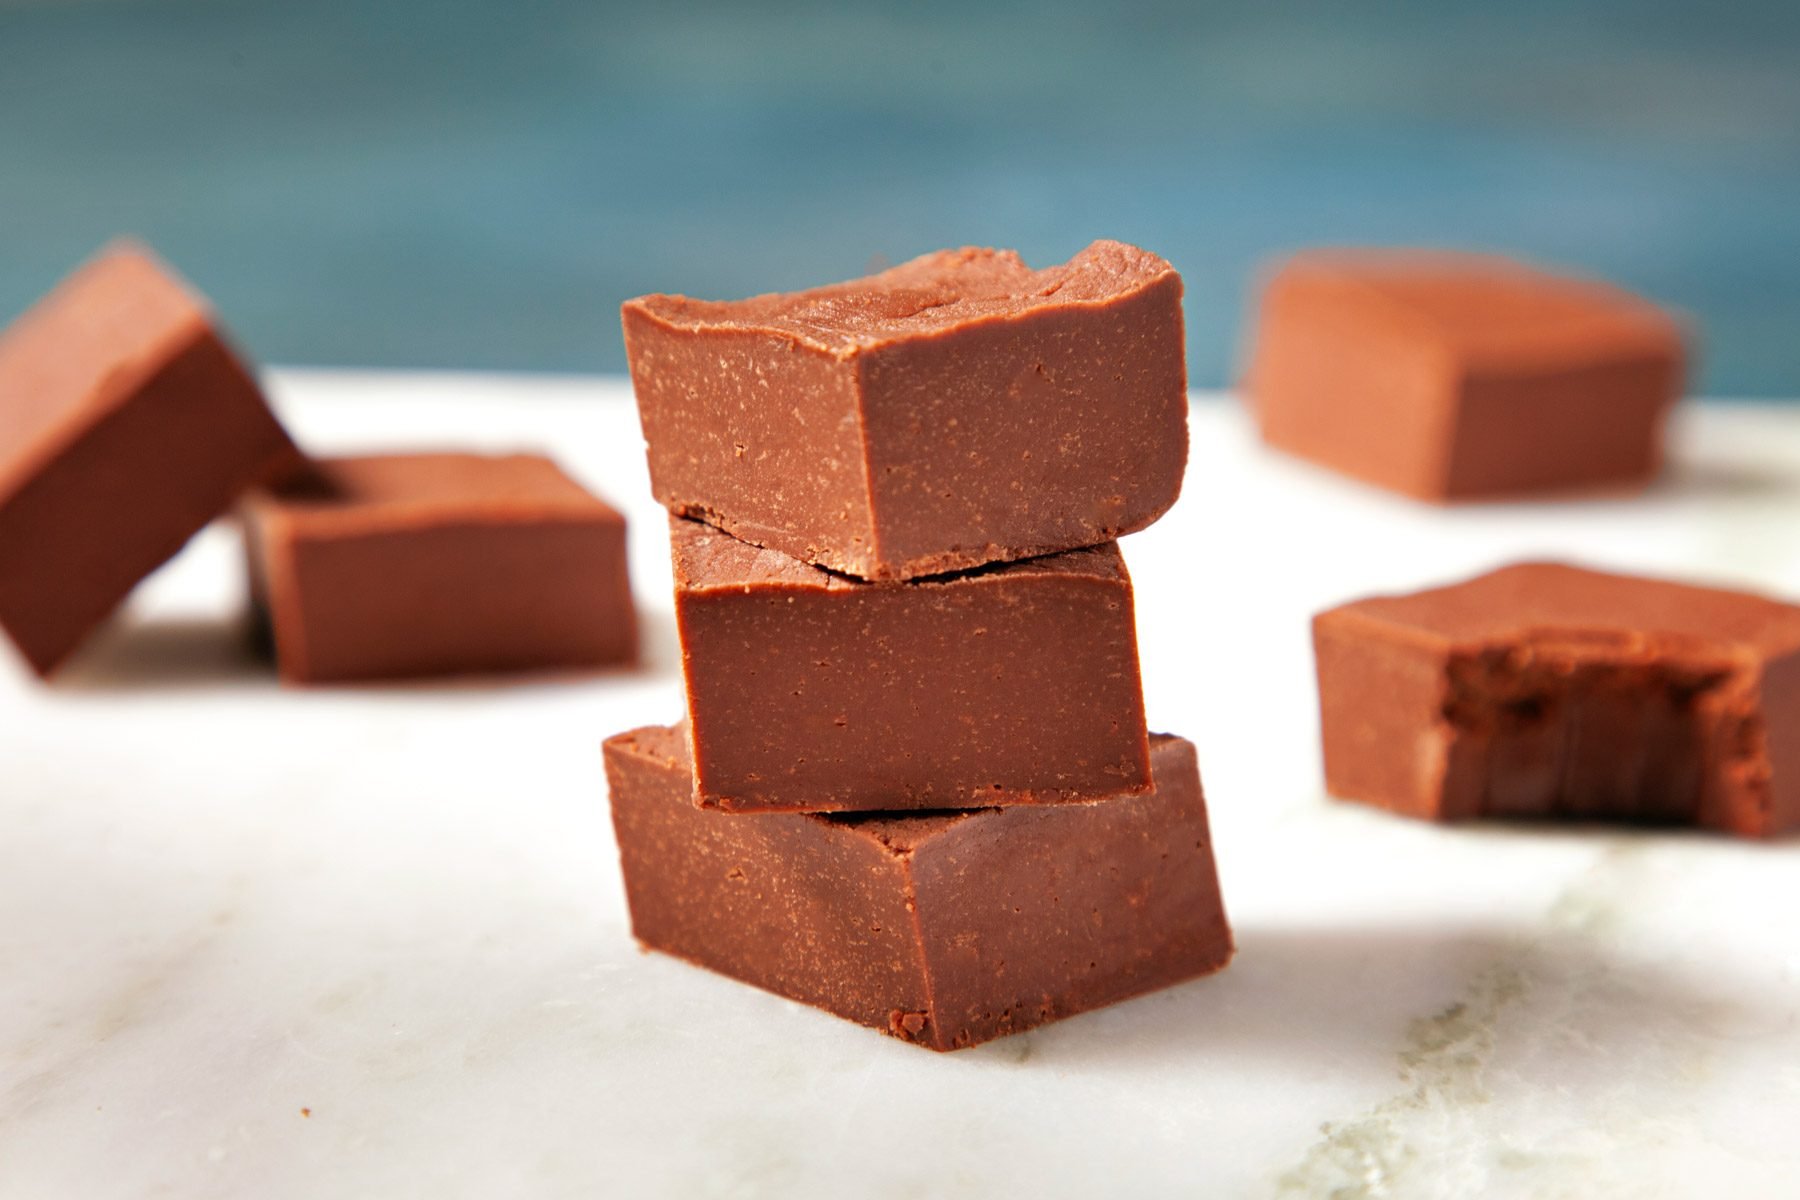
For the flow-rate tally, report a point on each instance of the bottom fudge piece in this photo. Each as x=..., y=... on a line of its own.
x=1543, y=690
x=434, y=564
x=946, y=929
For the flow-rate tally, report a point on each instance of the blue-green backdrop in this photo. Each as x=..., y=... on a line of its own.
x=460, y=184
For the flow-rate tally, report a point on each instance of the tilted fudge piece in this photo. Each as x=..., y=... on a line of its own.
x=808, y=691
x=945, y=929
x=432, y=564
x=126, y=424
x=1543, y=690
x=1458, y=376
x=958, y=410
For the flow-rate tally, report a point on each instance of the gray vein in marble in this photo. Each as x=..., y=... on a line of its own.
x=122, y=1008
x=1448, y=1061
x=1443, y=1062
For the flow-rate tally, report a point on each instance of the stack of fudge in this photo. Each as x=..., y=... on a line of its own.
x=915, y=786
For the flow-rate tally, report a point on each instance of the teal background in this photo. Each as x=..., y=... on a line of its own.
x=456, y=184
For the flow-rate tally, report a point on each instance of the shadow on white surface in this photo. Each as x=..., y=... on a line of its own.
x=1452, y=1004
x=154, y=653
x=1725, y=480
x=143, y=653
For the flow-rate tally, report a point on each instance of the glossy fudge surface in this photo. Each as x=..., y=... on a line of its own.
x=1549, y=691
x=958, y=410
x=432, y=564
x=809, y=691
x=126, y=424
x=1458, y=376
x=945, y=929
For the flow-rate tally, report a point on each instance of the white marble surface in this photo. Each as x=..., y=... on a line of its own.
x=372, y=942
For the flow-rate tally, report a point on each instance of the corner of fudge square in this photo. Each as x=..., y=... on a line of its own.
x=956, y=410
x=1545, y=691
x=943, y=929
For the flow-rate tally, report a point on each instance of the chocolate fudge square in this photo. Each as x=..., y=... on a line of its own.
x=810, y=691
x=1552, y=692
x=127, y=423
x=944, y=929
x=405, y=565
x=1460, y=377
x=958, y=410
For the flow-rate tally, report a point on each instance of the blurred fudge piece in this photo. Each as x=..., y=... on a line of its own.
x=126, y=424
x=433, y=564
x=1458, y=376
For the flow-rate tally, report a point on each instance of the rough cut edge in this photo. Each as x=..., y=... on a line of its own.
x=1744, y=770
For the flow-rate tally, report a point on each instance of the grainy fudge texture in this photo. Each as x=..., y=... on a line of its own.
x=958, y=410
x=433, y=564
x=808, y=691
x=1456, y=376
x=1543, y=690
x=126, y=424
x=945, y=929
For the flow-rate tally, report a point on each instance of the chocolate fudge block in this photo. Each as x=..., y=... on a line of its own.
x=945, y=929
x=1454, y=376
x=126, y=424
x=958, y=410
x=808, y=691
x=1548, y=691
x=434, y=564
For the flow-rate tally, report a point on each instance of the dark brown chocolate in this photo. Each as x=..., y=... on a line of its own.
x=434, y=564
x=1548, y=691
x=945, y=929
x=1456, y=376
x=958, y=410
x=126, y=424
x=808, y=691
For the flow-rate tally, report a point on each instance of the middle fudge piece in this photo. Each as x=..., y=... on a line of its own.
x=807, y=691
x=957, y=410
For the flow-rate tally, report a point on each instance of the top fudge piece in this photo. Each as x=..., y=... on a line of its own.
x=1458, y=376
x=428, y=564
x=1547, y=690
x=126, y=424
x=958, y=410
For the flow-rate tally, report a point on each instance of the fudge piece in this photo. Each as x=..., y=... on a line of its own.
x=945, y=929
x=1458, y=376
x=126, y=424
x=808, y=691
x=1543, y=690
x=958, y=410
x=432, y=564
